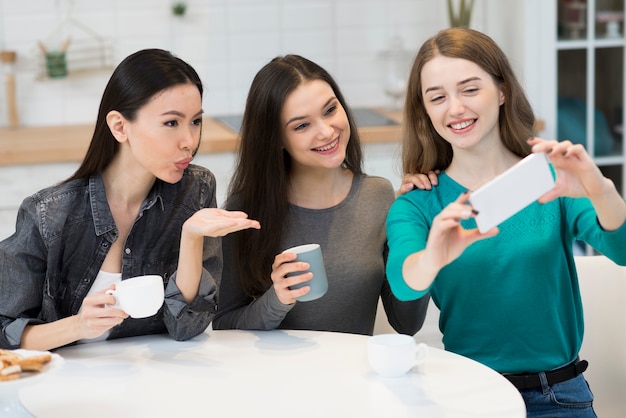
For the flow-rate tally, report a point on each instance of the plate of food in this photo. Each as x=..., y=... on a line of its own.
x=16, y=365
x=18, y=368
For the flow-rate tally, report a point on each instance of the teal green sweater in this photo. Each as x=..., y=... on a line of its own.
x=511, y=302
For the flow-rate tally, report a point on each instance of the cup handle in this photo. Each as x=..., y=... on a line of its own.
x=421, y=353
x=112, y=292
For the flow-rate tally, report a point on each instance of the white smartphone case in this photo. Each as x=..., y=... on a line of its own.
x=511, y=191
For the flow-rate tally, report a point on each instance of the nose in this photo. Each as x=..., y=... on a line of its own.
x=325, y=130
x=190, y=138
x=456, y=105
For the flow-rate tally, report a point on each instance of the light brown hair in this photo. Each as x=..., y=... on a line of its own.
x=423, y=149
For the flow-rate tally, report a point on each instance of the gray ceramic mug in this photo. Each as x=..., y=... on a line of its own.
x=312, y=254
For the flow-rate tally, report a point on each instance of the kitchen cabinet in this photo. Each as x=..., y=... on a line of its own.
x=574, y=72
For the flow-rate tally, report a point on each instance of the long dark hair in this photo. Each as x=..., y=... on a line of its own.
x=133, y=83
x=259, y=185
x=423, y=149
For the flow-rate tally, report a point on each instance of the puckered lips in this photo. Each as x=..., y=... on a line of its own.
x=183, y=164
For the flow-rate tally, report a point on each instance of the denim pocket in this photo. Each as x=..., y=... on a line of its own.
x=573, y=393
x=569, y=399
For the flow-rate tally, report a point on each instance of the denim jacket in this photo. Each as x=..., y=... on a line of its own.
x=63, y=234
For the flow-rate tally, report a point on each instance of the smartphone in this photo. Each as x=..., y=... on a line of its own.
x=511, y=191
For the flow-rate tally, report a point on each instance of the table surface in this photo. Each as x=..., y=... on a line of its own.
x=261, y=373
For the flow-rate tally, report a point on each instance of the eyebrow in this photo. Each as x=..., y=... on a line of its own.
x=180, y=114
x=460, y=83
x=296, y=118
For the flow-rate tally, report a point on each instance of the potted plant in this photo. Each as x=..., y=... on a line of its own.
x=461, y=17
x=179, y=8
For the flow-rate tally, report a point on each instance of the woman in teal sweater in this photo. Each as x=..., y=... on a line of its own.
x=509, y=298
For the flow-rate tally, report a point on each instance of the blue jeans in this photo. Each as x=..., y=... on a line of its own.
x=569, y=399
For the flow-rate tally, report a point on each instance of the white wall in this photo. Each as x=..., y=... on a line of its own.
x=227, y=41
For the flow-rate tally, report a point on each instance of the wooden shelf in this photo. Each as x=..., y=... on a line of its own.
x=69, y=143
x=58, y=144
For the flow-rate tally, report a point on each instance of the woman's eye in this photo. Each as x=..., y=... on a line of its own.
x=331, y=109
x=470, y=90
x=435, y=99
x=171, y=123
x=301, y=126
x=197, y=122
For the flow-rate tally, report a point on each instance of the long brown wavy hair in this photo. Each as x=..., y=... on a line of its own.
x=423, y=149
x=259, y=185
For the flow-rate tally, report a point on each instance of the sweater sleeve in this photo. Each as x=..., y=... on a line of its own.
x=584, y=225
x=237, y=310
x=407, y=232
x=406, y=317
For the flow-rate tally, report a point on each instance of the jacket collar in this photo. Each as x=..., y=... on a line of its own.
x=101, y=212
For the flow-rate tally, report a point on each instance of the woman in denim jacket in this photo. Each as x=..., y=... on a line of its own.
x=135, y=206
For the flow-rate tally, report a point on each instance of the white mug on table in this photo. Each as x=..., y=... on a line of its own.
x=393, y=355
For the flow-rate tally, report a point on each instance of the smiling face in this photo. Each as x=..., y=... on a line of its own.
x=462, y=101
x=166, y=132
x=316, y=127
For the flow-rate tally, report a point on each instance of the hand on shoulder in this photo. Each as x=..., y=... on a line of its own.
x=420, y=181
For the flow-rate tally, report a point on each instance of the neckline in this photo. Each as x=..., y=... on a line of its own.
x=356, y=178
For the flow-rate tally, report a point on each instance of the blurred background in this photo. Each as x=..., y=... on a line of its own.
x=227, y=41
x=57, y=55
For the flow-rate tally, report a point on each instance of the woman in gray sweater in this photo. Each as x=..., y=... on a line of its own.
x=299, y=173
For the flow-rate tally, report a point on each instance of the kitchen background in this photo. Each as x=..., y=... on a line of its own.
x=227, y=41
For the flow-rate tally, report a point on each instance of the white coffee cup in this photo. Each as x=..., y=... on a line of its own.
x=393, y=355
x=139, y=297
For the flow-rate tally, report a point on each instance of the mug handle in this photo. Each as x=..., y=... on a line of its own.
x=421, y=353
x=116, y=305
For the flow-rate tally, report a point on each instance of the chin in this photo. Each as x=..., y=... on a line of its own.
x=171, y=178
x=336, y=164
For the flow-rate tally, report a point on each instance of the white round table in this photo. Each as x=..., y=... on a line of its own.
x=261, y=374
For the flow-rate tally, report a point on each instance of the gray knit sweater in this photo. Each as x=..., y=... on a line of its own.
x=353, y=240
